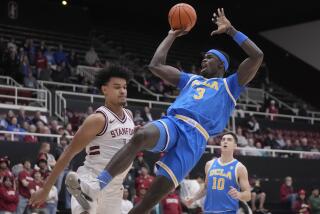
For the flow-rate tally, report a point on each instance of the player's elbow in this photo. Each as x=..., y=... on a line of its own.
x=259, y=55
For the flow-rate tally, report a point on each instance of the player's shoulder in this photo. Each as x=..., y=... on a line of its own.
x=241, y=168
x=97, y=117
x=210, y=162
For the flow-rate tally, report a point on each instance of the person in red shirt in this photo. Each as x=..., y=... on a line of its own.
x=35, y=185
x=41, y=63
x=144, y=179
x=287, y=194
x=24, y=181
x=171, y=204
x=4, y=168
x=8, y=196
x=301, y=206
x=141, y=193
x=272, y=109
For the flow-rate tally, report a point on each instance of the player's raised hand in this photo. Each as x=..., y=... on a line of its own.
x=234, y=193
x=178, y=33
x=221, y=21
x=38, y=197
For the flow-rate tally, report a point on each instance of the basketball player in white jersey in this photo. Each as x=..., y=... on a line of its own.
x=102, y=134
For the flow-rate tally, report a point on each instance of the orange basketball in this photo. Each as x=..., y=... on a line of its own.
x=182, y=16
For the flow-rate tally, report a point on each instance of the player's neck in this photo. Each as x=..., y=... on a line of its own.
x=226, y=157
x=117, y=109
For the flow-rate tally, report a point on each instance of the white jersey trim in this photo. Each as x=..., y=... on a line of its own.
x=229, y=92
x=105, y=124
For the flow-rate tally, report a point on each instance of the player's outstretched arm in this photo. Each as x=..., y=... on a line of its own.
x=89, y=129
x=249, y=67
x=158, y=63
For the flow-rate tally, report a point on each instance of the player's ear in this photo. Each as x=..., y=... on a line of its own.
x=221, y=65
x=104, y=89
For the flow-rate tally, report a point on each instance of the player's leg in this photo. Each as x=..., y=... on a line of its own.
x=110, y=198
x=76, y=208
x=160, y=187
x=144, y=139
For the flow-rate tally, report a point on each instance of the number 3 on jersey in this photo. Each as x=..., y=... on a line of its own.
x=218, y=183
x=200, y=93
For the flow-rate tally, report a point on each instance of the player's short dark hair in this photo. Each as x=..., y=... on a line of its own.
x=114, y=70
x=233, y=135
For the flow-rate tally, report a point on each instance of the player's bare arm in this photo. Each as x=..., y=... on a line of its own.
x=249, y=67
x=89, y=129
x=158, y=63
x=245, y=194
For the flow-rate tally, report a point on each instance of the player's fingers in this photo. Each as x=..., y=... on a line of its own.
x=219, y=12
x=215, y=32
x=222, y=11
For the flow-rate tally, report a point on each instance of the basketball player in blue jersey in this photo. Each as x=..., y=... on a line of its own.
x=203, y=109
x=226, y=181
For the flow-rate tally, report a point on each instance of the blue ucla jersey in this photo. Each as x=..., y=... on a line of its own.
x=208, y=101
x=220, y=178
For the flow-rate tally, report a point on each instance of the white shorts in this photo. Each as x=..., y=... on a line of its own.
x=109, y=199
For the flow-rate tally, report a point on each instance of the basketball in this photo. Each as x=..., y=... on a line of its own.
x=182, y=16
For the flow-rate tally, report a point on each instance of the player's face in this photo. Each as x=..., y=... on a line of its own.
x=211, y=66
x=116, y=91
x=228, y=143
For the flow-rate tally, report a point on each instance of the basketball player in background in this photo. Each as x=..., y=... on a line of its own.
x=202, y=109
x=226, y=181
x=102, y=134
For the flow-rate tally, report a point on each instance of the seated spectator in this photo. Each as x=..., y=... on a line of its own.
x=141, y=193
x=52, y=200
x=91, y=57
x=147, y=116
x=270, y=142
x=39, y=117
x=301, y=206
x=31, y=138
x=137, y=119
x=4, y=168
x=280, y=142
x=126, y=205
x=253, y=125
x=22, y=117
x=60, y=56
x=42, y=47
x=36, y=184
x=41, y=63
x=7, y=120
x=188, y=188
x=257, y=195
x=50, y=58
x=287, y=194
x=9, y=197
x=272, y=109
x=24, y=182
x=242, y=141
x=304, y=144
x=252, y=150
x=171, y=203
x=29, y=81
x=45, y=153
x=314, y=201
x=144, y=179
x=138, y=163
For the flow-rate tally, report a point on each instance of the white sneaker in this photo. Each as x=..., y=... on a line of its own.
x=75, y=188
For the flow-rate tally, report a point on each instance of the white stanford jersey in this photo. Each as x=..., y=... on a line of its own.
x=115, y=134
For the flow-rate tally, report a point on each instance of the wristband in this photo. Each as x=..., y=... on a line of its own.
x=239, y=38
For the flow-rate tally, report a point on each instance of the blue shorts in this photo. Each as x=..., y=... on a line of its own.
x=184, y=141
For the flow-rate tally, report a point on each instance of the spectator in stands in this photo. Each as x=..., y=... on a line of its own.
x=9, y=198
x=304, y=144
x=126, y=205
x=60, y=74
x=50, y=58
x=301, y=206
x=171, y=203
x=31, y=138
x=42, y=165
x=7, y=120
x=147, y=116
x=287, y=194
x=253, y=125
x=24, y=180
x=252, y=151
x=4, y=168
x=45, y=150
x=52, y=200
x=45, y=74
x=41, y=63
x=69, y=130
x=188, y=188
x=242, y=141
x=297, y=145
x=138, y=120
x=29, y=81
x=32, y=52
x=144, y=179
x=270, y=142
x=129, y=183
x=314, y=201
x=11, y=45
x=42, y=47
x=14, y=127
x=141, y=193
x=25, y=68
x=36, y=184
x=60, y=56
x=73, y=62
x=272, y=109
x=45, y=130
x=54, y=126
x=39, y=117
x=91, y=57
x=138, y=163
x=258, y=195
x=280, y=141
x=22, y=117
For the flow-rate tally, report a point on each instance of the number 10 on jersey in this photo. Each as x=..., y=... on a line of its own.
x=218, y=183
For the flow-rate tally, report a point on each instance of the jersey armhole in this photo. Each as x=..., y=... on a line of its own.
x=129, y=113
x=236, y=173
x=105, y=125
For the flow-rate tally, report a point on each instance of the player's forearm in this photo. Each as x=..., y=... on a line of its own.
x=63, y=161
x=161, y=53
x=248, y=46
x=245, y=196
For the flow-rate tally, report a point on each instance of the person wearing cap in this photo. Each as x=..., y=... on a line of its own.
x=202, y=109
x=24, y=181
x=301, y=205
x=9, y=197
x=4, y=168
